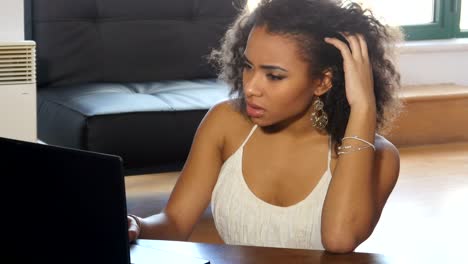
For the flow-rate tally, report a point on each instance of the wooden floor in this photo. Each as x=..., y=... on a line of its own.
x=426, y=215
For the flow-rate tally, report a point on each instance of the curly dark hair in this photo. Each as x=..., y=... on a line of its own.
x=309, y=22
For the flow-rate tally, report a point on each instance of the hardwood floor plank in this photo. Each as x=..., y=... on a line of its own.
x=428, y=209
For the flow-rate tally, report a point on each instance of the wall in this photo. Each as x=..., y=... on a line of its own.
x=434, y=62
x=11, y=20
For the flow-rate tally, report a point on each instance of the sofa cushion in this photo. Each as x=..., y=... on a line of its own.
x=125, y=40
x=144, y=123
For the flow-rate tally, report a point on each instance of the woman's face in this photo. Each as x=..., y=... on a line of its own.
x=276, y=81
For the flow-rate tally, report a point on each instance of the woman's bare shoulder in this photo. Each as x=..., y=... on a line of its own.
x=385, y=147
x=228, y=115
x=234, y=125
x=387, y=161
x=226, y=107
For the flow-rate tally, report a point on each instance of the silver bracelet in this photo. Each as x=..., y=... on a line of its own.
x=137, y=220
x=360, y=139
x=350, y=149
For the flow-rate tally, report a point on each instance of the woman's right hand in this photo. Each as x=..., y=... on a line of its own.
x=134, y=227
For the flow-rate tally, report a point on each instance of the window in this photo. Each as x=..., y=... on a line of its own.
x=415, y=12
x=423, y=19
x=420, y=19
x=464, y=16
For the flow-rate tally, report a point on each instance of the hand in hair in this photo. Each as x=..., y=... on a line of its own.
x=359, y=83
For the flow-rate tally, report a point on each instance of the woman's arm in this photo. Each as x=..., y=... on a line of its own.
x=192, y=192
x=362, y=180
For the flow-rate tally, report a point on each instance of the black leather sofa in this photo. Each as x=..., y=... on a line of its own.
x=127, y=77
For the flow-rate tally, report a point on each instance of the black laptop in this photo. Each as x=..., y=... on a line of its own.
x=63, y=205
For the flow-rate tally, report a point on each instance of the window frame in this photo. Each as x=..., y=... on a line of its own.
x=446, y=25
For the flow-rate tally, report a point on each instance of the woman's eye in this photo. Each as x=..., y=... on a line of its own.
x=247, y=66
x=274, y=77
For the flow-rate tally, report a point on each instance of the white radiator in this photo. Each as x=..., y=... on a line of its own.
x=18, y=90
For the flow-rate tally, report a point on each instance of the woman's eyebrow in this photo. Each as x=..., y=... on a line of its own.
x=266, y=67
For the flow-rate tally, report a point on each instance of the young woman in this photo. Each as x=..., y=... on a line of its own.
x=293, y=159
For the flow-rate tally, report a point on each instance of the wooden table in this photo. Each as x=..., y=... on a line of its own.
x=224, y=254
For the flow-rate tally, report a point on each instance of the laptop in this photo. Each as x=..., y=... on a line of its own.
x=64, y=205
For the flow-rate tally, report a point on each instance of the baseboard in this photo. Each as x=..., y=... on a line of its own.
x=433, y=114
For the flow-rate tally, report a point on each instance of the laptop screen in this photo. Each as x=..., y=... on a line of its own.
x=62, y=205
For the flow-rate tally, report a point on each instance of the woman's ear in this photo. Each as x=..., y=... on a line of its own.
x=325, y=83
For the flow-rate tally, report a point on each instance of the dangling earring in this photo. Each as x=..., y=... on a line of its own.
x=319, y=117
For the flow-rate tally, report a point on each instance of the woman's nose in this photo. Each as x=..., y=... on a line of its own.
x=252, y=87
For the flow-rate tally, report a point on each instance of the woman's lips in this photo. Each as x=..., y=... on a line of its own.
x=254, y=110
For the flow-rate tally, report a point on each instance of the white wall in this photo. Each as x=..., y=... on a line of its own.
x=434, y=62
x=11, y=20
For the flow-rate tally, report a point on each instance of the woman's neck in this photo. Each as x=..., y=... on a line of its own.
x=299, y=126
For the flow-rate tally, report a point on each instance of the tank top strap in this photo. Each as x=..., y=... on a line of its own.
x=329, y=151
x=250, y=134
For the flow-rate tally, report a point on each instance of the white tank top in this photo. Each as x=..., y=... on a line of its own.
x=242, y=218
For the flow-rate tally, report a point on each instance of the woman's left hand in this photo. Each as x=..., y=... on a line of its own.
x=359, y=81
